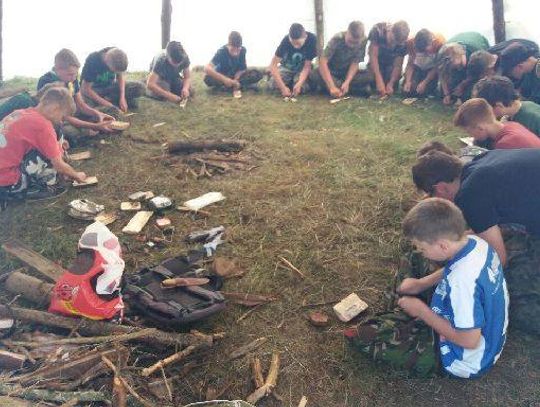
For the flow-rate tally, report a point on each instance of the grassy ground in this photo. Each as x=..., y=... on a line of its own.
x=332, y=187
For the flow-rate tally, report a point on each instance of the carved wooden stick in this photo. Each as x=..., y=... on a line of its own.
x=171, y=359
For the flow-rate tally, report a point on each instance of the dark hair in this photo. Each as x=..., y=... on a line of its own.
x=496, y=89
x=478, y=64
x=401, y=31
x=356, y=29
x=433, y=219
x=434, y=145
x=296, y=31
x=514, y=55
x=434, y=167
x=175, y=51
x=422, y=40
x=235, y=39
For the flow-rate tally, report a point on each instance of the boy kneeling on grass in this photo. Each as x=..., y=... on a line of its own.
x=468, y=310
x=476, y=117
x=30, y=154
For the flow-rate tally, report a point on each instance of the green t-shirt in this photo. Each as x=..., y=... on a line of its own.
x=472, y=41
x=529, y=116
x=530, y=84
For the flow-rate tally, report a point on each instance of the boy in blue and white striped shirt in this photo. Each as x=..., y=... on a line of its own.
x=469, y=309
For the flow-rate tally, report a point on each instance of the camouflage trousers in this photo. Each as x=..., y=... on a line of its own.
x=173, y=87
x=249, y=77
x=289, y=78
x=394, y=338
x=360, y=84
x=134, y=90
x=522, y=275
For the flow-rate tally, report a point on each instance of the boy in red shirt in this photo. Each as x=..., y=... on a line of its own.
x=476, y=117
x=30, y=155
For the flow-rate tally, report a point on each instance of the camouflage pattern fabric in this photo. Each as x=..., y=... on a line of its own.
x=394, y=338
x=134, y=90
x=290, y=78
x=522, y=275
x=360, y=84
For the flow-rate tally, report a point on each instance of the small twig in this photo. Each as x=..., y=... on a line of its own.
x=291, y=266
x=169, y=392
x=256, y=370
x=111, y=366
x=171, y=359
x=247, y=313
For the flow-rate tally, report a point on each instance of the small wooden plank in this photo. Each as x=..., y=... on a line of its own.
x=138, y=222
x=159, y=124
x=118, y=125
x=83, y=155
x=468, y=141
x=89, y=181
x=33, y=259
x=10, y=360
x=130, y=206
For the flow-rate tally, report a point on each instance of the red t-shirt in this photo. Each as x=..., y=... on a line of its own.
x=21, y=132
x=515, y=135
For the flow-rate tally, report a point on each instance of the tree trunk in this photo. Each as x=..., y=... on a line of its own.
x=319, y=25
x=499, y=26
x=166, y=11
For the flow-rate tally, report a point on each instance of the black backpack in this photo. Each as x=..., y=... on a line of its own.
x=174, y=306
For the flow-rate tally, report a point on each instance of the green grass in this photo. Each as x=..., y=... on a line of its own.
x=331, y=190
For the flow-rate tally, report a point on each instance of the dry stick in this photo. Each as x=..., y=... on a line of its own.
x=303, y=402
x=291, y=266
x=247, y=348
x=256, y=370
x=270, y=382
x=119, y=393
x=125, y=383
x=171, y=359
x=169, y=392
x=247, y=313
x=147, y=332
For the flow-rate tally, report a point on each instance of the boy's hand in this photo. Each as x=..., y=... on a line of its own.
x=297, y=89
x=409, y=286
x=102, y=117
x=80, y=176
x=381, y=88
x=390, y=89
x=123, y=105
x=286, y=92
x=344, y=88
x=421, y=88
x=335, y=92
x=65, y=145
x=407, y=87
x=185, y=93
x=447, y=100
x=412, y=306
x=104, y=127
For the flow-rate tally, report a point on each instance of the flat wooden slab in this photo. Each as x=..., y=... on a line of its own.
x=130, y=206
x=83, y=155
x=138, y=222
x=87, y=182
x=468, y=141
x=118, y=125
x=33, y=259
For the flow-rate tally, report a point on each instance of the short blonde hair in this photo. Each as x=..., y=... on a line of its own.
x=473, y=112
x=116, y=60
x=60, y=97
x=65, y=58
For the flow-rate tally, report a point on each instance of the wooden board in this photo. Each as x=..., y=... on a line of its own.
x=468, y=141
x=83, y=155
x=33, y=259
x=118, y=125
x=130, y=206
x=137, y=223
x=87, y=182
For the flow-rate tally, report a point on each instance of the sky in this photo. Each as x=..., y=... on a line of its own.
x=34, y=30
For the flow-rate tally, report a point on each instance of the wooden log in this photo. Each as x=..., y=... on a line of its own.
x=126, y=384
x=119, y=393
x=166, y=11
x=270, y=382
x=188, y=147
x=499, y=24
x=33, y=259
x=95, y=328
x=28, y=287
x=56, y=396
x=10, y=360
x=88, y=340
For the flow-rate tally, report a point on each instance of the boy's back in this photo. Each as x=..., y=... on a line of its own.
x=529, y=116
x=473, y=294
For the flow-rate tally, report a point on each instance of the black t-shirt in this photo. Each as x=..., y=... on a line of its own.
x=228, y=65
x=502, y=186
x=51, y=77
x=96, y=71
x=161, y=66
x=292, y=58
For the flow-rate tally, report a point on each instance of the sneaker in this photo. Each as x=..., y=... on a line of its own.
x=39, y=193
